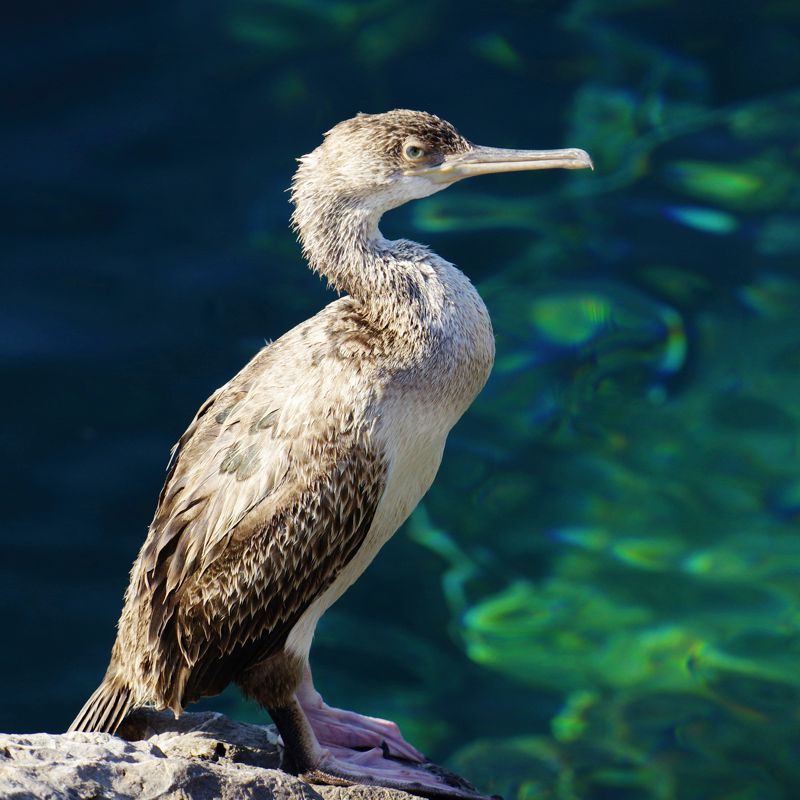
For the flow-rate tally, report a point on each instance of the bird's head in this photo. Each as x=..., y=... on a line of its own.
x=375, y=162
x=381, y=161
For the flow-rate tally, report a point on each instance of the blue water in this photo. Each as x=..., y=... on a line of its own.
x=606, y=576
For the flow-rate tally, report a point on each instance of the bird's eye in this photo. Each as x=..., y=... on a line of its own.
x=413, y=152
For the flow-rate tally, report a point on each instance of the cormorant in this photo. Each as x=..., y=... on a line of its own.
x=294, y=474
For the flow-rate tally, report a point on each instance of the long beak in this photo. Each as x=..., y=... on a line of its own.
x=484, y=160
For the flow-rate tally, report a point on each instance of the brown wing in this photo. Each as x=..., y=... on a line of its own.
x=256, y=520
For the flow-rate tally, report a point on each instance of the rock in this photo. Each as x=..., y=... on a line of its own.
x=198, y=757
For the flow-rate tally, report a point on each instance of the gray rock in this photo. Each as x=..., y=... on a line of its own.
x=198, y=757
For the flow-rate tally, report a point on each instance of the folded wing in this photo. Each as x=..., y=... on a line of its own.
x=256, y=520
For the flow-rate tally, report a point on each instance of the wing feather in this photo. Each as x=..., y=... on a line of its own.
x=255, y=520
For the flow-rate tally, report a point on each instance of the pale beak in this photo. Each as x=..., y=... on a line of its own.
x=485, y=160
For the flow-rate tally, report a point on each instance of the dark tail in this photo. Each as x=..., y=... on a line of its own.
x=105, y=709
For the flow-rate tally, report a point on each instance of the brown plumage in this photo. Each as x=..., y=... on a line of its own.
x=293, y=475
x=221, y=578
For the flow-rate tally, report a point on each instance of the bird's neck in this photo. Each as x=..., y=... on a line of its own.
x=387, y=279
x=433, y=311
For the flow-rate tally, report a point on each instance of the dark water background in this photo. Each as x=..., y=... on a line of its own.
x=600, y=597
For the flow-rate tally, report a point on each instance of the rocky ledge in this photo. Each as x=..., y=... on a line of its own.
x=198, y=757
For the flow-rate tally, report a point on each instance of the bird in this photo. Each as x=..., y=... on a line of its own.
x=293, y=474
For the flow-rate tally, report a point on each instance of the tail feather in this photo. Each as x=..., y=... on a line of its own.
x=105, y=709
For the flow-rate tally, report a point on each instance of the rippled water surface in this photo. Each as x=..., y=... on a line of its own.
x=600, y=597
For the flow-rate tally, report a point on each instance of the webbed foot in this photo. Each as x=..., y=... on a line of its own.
x=375, y=768
x=341, y=748
x=337, y=729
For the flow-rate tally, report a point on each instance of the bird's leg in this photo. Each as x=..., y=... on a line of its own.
x=331, y=746
x=344, y=766
x=302, y=751
x=337, y=728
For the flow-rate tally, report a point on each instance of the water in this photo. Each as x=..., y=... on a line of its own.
x=606, y=592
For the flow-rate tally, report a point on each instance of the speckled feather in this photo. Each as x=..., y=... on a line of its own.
x=257, y=516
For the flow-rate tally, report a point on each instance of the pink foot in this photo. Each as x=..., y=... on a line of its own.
x=352, y=749
x=337, y=729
